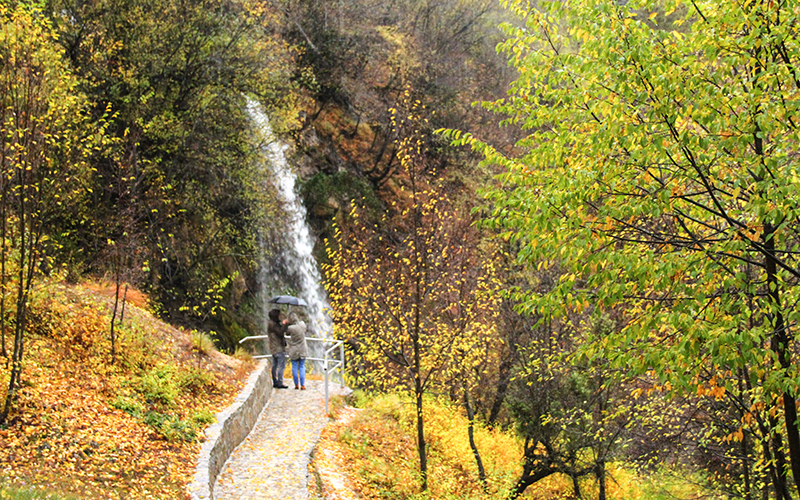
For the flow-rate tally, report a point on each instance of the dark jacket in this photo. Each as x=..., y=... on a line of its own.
x=275, y=335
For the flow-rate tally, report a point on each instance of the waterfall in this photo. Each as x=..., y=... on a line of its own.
x=294, y=267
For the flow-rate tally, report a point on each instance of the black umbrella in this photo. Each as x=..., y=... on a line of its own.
x=288, y=299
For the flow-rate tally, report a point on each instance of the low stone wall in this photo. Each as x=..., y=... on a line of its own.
x=233, y=425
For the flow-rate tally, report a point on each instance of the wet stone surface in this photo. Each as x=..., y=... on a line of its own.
x=272, y=462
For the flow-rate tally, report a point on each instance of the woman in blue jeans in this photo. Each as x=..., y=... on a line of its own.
x=297, y=350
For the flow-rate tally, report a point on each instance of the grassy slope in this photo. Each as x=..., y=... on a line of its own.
x=370, y=453
x=87, y=427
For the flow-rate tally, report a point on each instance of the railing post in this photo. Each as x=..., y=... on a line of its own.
x=325, y=369
x=341, y=363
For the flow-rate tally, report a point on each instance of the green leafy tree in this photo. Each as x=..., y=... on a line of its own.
x=187, y=186
x=660, y=171
x=574, y=414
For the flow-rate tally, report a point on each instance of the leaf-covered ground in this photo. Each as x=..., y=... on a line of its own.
x=130, y=429
x=370, y=453
x=331, y=460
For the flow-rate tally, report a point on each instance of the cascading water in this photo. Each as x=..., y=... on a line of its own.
x=294, y=266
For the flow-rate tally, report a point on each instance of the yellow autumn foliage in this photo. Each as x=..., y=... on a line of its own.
x=379, y=447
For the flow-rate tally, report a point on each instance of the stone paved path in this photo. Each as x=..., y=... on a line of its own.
x=272, y=462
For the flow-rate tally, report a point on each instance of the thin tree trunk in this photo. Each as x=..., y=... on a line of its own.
x=472, y=445
x=576, y=487
x=419, y=261
x=3, y=289
x=16, y=369
x=745, y=453
x=781, y=481
x=771, y=474
x=116, y=306
x=780, y=345
x=423, y=456
x=504, y=375
x=600, y=473
x=19, y=327
x=124, y=302
x=4, y=162
x=418, y=392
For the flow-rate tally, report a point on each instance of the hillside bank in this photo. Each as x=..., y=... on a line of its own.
x=93, y=426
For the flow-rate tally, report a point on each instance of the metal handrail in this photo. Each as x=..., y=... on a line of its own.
x=329, y=363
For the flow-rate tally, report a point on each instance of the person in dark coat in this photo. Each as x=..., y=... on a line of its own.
x=276, y=332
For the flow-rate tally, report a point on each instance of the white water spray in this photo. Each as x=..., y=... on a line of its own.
x=296, y=258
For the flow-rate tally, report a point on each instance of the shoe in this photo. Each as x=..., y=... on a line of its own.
x=302, y=388
x=296, y=387
x=281, y=386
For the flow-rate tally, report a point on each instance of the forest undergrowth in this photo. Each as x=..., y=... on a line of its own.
x=87, y=426
x=370, y=449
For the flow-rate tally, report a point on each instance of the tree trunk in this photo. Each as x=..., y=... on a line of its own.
x=748, y=489
x=576, y=487
x=528, y=478
x=504, y=375
x=781, y=482
x=780, y=345
x=771, y=475
x=420, y=261
x=600, y=473
x=114, y=311
x=16, y=370
x=19, y=327
x=4, y=207
x=472, y=445
x=3, y=276
x=124, y=301
x=423, y=456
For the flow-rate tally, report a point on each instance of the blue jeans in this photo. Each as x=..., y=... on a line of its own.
x=299, y=371
x=278, y=365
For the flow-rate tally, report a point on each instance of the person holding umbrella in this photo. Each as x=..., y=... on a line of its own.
x=298, y=350
x=277, y=347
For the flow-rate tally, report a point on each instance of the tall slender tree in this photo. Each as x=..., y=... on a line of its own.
x=414, y=294
x=46, y=138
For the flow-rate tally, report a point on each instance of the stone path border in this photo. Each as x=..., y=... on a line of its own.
x=232, y=427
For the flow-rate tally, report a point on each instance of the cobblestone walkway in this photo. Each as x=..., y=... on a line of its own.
x=272, y=462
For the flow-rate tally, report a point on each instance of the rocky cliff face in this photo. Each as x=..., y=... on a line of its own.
x=360, y=59
x=339, y=158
